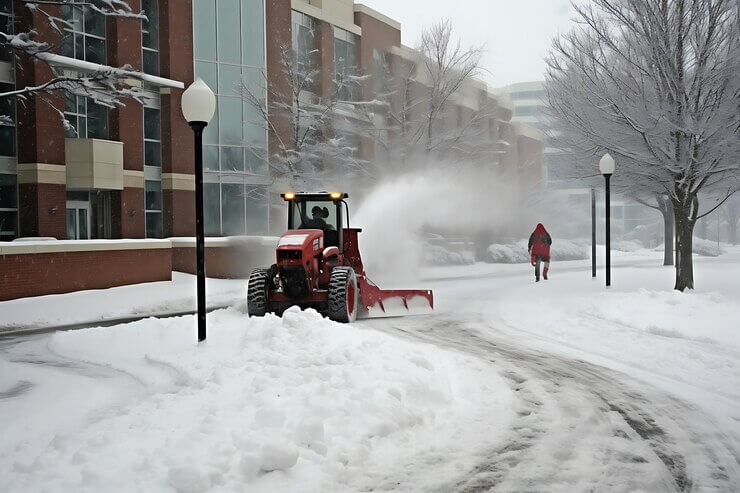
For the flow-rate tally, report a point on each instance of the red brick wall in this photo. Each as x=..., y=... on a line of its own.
x=278, y=33
x=64, y=272
x=179, y=217
x=221, y=262
x=43, y=210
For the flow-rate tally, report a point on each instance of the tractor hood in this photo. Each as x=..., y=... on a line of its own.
x=311, y=241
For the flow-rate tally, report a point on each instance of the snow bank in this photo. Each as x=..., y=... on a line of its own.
x=265, y=404
x=123, y=302
x=517, y=252
x=439, y=255
x=707, y=248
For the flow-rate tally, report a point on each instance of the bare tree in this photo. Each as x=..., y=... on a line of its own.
x=656, y=85
x=417, y=115
x=108, y=86
x=314, y=135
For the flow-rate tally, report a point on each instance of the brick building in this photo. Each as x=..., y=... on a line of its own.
x=128, y=173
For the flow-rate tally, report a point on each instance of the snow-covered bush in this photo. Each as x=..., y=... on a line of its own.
x=439, y=255
x=627, y=246
x=707, y=248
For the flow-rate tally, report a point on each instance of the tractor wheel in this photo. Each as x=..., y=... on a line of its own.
x=343, y=295
x=257, y=291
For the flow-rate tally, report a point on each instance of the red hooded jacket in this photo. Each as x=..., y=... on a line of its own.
x=540, y=241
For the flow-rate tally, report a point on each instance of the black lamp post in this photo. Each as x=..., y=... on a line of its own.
x=606, y=166
x=593, y=232
x=198, y=107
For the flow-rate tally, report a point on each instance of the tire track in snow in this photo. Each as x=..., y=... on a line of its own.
x=628, y=435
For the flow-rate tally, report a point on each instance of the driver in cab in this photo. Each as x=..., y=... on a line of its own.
x=317, y=221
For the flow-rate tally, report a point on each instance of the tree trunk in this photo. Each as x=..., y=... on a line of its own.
x=666, y=209
x=684, y=247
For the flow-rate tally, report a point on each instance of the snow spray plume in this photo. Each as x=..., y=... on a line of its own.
x=445, y=199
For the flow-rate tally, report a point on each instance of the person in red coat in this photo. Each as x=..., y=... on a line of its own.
x=539, y=249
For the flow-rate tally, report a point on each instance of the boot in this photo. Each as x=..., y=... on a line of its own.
x=537, y=279
x=544, y=274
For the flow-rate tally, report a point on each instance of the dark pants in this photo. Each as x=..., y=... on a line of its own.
x=536, y=260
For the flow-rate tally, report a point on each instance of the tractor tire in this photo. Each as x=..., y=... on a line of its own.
x=257, y=293
x=343, y=295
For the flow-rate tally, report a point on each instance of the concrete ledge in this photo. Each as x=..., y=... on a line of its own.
x=60, y=246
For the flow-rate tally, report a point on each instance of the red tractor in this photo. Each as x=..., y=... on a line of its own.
x=318, y=265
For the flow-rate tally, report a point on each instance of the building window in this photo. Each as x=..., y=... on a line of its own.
x=86, y=119
x=537, y=95
x=84, y=37
x=7, y=123
x=526, y=110
x=345, y=61
x=150, y=37
x=153, y=209
x=6, y=26
x=152, y=137
x=8, y=207
x=304, y=39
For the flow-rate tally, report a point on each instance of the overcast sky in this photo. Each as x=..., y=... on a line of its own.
x=517, y=33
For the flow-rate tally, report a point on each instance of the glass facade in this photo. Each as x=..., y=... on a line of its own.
x=228, y=42
x=345, y=61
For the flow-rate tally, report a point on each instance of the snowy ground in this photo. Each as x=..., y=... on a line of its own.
x=124, y=302
x=556, y=386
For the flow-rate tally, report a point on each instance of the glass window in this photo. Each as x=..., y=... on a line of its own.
x=253, y=17
x=232, y=209
x=304, y=39
x=153, y=199
x=232, y=158
x=6, y=26
x=230, y=120
x=84, y=37
x=7, y=129
x=150, y=27
x=229, y=27
x=211, y=208
x=8, y=225
x=8, y=194
x=153, y=224
x=153, y=195
x=204, y=32
x=229, y=79
x=345, y=60
x=87, y=120
x=207, y=72
x=257, y=203
x=152, y=136
x=210, y=158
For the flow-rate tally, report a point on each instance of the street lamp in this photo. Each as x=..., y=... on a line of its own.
x=593, y=232
x=198, y=106
x=606, y=166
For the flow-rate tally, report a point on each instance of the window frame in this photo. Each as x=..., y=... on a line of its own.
x=73, y=31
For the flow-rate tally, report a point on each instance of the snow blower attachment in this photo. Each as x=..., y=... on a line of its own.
x=319, y=266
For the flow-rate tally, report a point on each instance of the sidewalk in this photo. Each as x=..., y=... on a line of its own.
x=117, y=304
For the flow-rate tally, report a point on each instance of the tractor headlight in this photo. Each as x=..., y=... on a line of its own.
x=336, y=195
x=289, y=196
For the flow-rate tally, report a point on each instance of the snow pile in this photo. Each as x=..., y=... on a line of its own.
x=707, y=248
x=628, y=246
x=439, y=255
x=266, y=404
x=516, y=253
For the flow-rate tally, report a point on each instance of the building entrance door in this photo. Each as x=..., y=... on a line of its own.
x=78, y=220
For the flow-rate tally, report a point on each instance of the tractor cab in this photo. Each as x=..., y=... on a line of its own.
x=322, y=210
